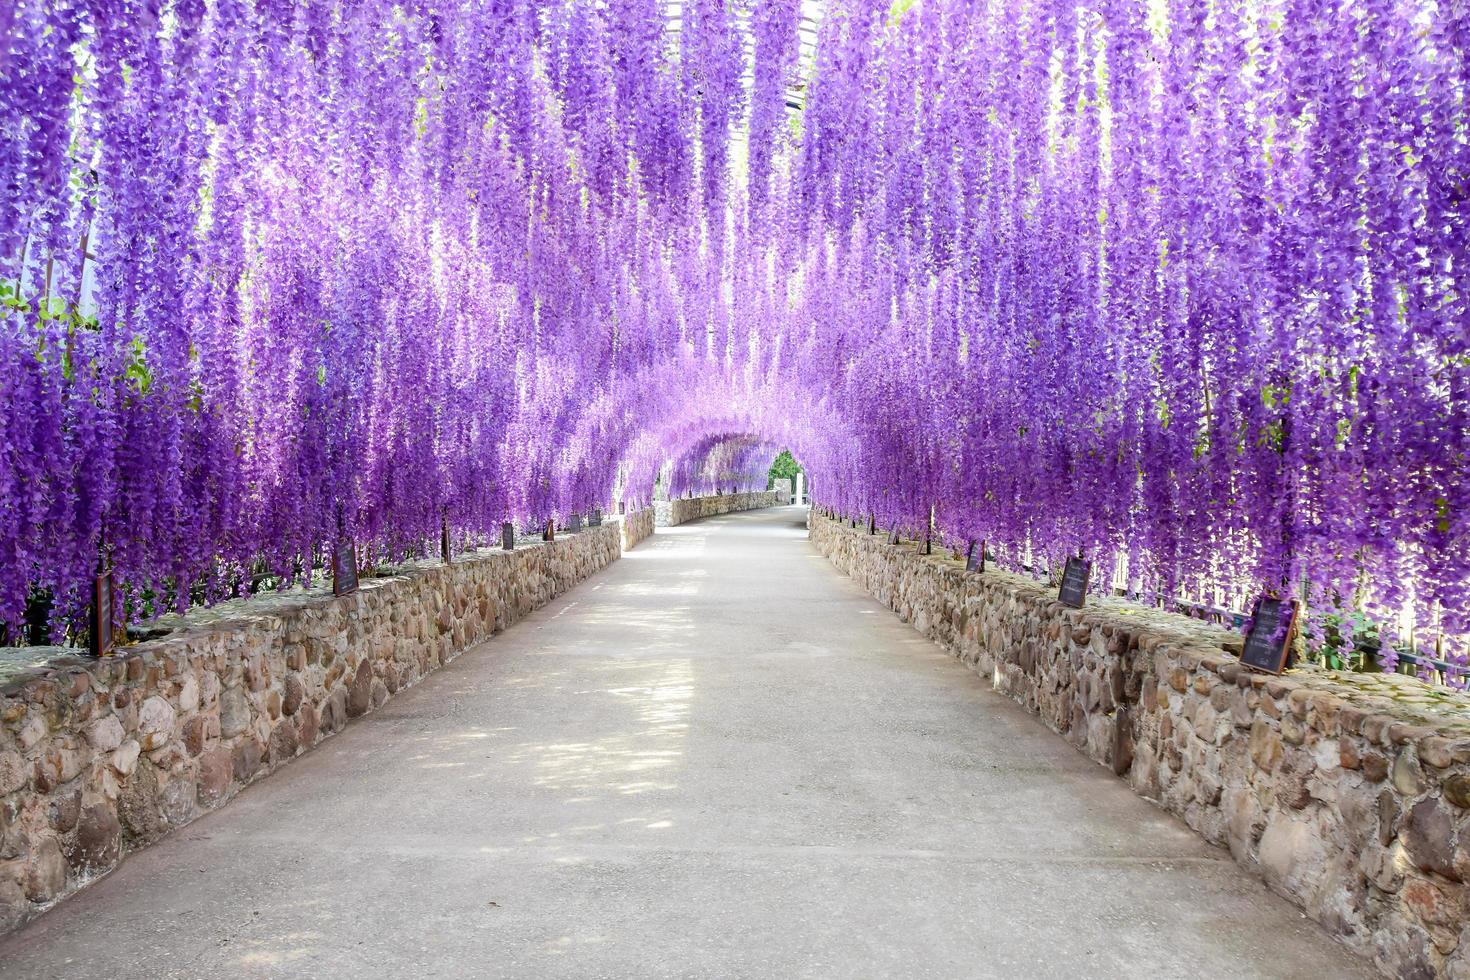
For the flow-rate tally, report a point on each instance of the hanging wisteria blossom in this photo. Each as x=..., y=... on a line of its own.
x=1183, y=286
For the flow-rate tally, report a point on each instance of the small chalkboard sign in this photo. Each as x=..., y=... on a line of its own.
x=1074, y=582
x=622, y=506
x=594, y=519
x=344, y=569
x=1273, y=630
x=574, y=523
x=975, y=560
x=100, y=642
x=508, y=536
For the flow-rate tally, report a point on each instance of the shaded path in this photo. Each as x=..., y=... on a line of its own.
x=716, y=758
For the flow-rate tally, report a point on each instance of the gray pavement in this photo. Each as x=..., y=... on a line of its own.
x=718, y=758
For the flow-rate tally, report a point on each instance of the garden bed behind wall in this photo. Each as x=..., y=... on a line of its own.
x=98, y=758
x=1348, y=793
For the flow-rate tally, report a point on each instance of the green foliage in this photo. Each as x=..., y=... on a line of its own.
x=785, y=467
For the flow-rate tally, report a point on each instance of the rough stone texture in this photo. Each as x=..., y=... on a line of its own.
x=1346, y=792
x=101, y=757
x=668, y=513
x=637, y=526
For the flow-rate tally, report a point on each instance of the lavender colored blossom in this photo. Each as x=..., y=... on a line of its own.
x=1184, y=288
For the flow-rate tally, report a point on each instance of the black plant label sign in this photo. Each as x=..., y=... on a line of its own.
x=344, y=569
x=574, y=523
x=975, y=560
x=101, y=624
x=1074, y=582
x=594, y=519
x=508, y=536
x=1272, y=632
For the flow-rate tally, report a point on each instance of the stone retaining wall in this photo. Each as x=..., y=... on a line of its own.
x=668, y=513
x=98, y=758
x=636, y=526
x=1348, y=793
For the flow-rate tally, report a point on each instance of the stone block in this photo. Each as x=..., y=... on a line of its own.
x=155, y=723
x=245, y=761
x=295, y=693
x=1429, y=838
x=234, y=713
x=188, y=696
x=215, y=769
x=308, y=724
x=1457, y=790
x=195, y=734
x=57, y=765
x=45, y=872
x=1266, y=748
x=1292, y=780
x=65, y=810
x=1292, y=856
x=105, y=734
x=359, y=697
x=97, y=842
x=1408, y=775
x=124, y=759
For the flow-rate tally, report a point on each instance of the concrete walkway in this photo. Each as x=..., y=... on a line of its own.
x=718, y=758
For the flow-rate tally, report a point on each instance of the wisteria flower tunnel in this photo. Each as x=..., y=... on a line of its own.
x=1181, y=285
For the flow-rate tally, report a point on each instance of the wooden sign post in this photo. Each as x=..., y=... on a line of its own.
x=508, y=536
x=1272, y=634
x=100, y=643
x=446, y=545
x=872, y=524
x=344, y=569
x=975, y=560
x=550, y=533
x=1074, y=582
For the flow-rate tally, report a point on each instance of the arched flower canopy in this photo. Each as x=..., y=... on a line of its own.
x=1182, y=285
